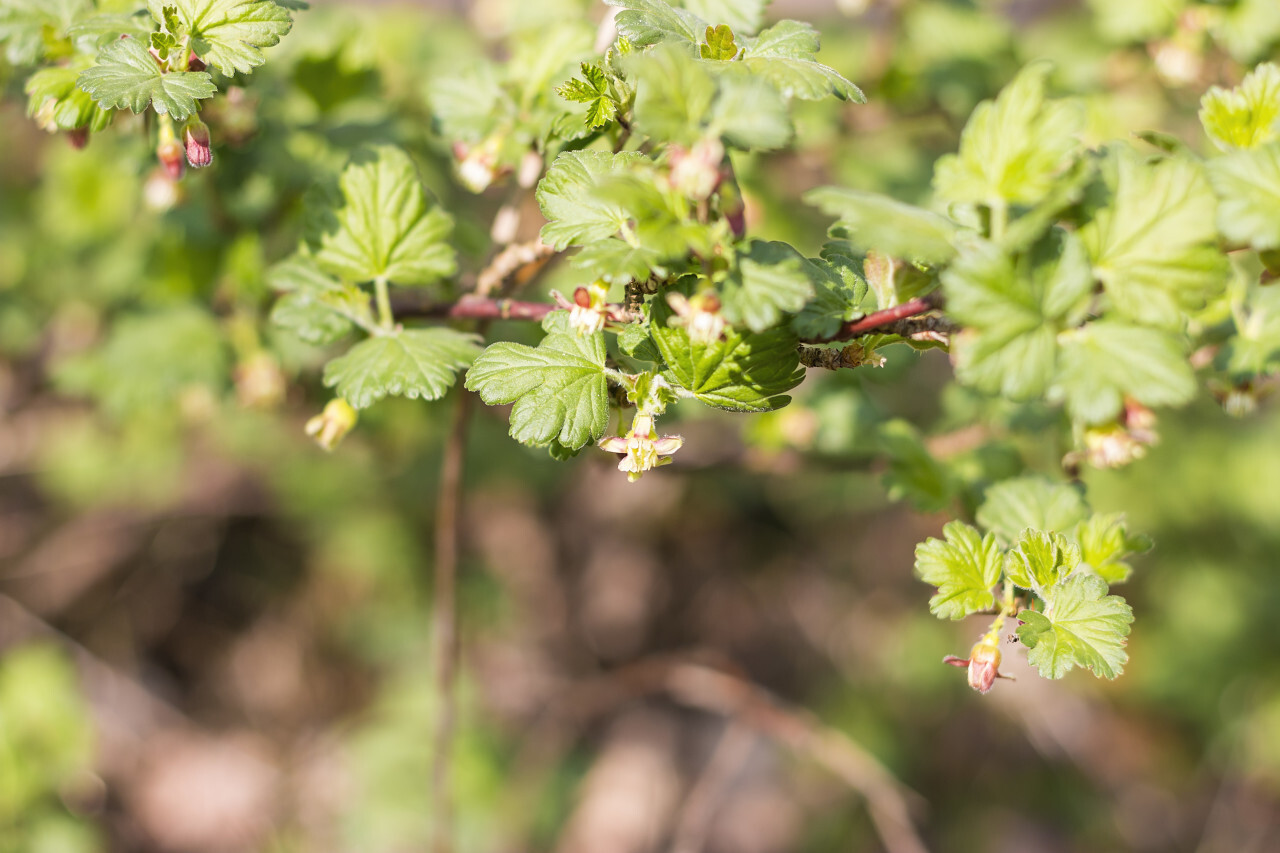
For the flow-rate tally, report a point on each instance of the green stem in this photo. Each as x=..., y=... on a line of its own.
x=385, y=318
x=999, y=220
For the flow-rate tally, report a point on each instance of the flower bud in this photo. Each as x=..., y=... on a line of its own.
x=700, y=315
x=195, y=137
x=332, y=425
x=169, y=152
x=983, y=663
x=695, y=173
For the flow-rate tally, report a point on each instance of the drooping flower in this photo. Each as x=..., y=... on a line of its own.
x=590, y=309
x=642, y=449
x=195, y=138
x=332, y=425
x=983, y=663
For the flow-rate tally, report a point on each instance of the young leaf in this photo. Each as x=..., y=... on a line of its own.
x=887, y=225
x=1038, y=560
x=741, y=372
x=1154, y=246
x=316, y=307
x=1106, y=544
x=128, y=76
x=387, y=227
x=1106, y=361
x=785, y=55
x=1081, y=626
x=413, y=363
x=592, y=90
x=1014, y=148
x=964, y=568
x=1012, y=506
x=767, y=280
x=649, y=22
x=839, y=293
x=576, y=215
x=558, y=388
x=1248, y=188
x=1246, y=116
x=228, y=34
x=720, y=46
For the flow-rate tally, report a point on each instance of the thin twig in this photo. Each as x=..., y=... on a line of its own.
x=731, y=753
x=880, y=320
x=445, y=625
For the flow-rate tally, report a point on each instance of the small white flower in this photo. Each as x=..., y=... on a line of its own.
x=643, y=448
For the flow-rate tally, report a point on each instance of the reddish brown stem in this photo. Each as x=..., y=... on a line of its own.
x=879, y=319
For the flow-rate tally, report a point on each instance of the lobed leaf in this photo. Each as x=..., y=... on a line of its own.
x=1248, y=187
x=887, y=225
x=576, y=215
x=964, y=567
x=128, y=76
x=1081, y=626
x=1106, y=361
x=228, y=34
x=1248, y=115
x=1012, y=506
x=413, y=363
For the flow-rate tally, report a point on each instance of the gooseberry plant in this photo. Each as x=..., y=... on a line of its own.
x=1098, y=283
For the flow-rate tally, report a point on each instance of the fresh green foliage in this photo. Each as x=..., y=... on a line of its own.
x=385, y=226
x=887, y=225
x=1246, y=116
x=1080, y=626
x=559, y=388
x=1107, y=361
x=1248, y=187
x=227, y=34
x=413, y=363
x=1039, y=560
x=964, y=567
x=595, y=91
x=127, y=76
x=575, y=214
x=1012, y=506
x=768, y=281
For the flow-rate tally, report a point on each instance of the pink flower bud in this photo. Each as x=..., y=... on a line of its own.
x=195, y=136
x=169, y=153
x=983, y=664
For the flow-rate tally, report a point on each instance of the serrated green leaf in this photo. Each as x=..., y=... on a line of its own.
x=229, y=34
x=616, y=261
x=964, y=567
x=1081, y=626
x=661, y=219
x=887, y=225
x=1248, y=187
x=1106, y=361
x=1040, y=559
x=593, y=90
x=386, y=226
x=1012, y=506
x=559, y=388
x=413, y=363
x=1106, y=545
x=1248, y=115
x=1013, y=312
x=316, y=307
x=719, y=45
x=1013, y=149
x=127, y=75
x=576, y=215
x=767, y=280
x=1154, y=246
x=914, y=474
x=839, y=296
x=650, y=22
x=742, y=16
x=785, y=55
x=742, y=372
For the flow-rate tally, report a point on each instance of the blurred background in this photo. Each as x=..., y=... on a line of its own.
x=216, y=637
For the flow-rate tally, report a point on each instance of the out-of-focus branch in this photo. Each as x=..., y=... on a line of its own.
x=716, y=691
x=731, y=753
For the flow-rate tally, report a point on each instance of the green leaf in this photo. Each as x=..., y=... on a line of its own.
x=559, y=388
x=914, y=474
x=53, y=92
x=316, y=307
x=1012, y=506
x=742, y=16
x=1013, y=312
x=742, y=372
x=964, y=568
x=785, y=55
x=750, y=114
x=386, y=226
x=1248, y=115
x=839, y=294
x=661, y=219
x=1248, y=188
x=23, y=25
x=1106, y=545
x=1013, y=149
x=616, y=261
x=576, y=216
x=1081, y=626
x=229, y=34
x=128, y=76
x=1106, y=361
x=649, y=22
x=1154, y=246
x=1040, y=559
x=413, y=363
x=887, y=225
x=468, y=103
x=674, y=93
x=594, y=91
x=768, y=280
x=720, y=46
